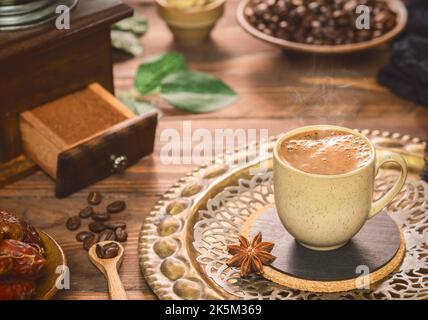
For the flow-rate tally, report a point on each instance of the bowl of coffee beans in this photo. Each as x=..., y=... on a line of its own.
x=323, y=26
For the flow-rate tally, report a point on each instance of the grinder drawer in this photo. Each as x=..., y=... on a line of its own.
x=84, y=137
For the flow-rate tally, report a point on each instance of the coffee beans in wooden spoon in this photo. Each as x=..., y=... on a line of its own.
x=107, y=251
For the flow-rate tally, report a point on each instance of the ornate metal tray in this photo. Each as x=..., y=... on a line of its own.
x=182, y=246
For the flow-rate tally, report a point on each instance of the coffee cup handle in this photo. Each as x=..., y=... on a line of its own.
x=383, y=158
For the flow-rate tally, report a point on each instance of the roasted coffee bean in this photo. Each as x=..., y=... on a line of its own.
x=88, y=243
x=101, y=216
x=99, y=250
x=107, y=235
x=111, y=252
x=121, y=234
x=73, y=223
x=107, y=251
x=111, y=244
x=84, y=235
x=94, y=198
x=97, y=226
x=115, y=225
x=86, y=213
x=116, y=206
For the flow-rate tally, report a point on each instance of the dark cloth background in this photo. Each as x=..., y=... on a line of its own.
x=406, y=74
x=407, y=71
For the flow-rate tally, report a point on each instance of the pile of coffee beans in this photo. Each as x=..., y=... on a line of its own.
x=319, y=22
x=107, y=251
x=100, y=228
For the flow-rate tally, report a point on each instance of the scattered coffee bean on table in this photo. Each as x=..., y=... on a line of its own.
x=121, y=235
x=100, y=229
x=101, y=216
x=84, y=235
x=73, y=223
x=88, y=243
x=116, y=206
x=107, y=251
x=86, y=212
x=107, y=235
x=115, y=225
x=97, y=226
x=94, y=198
x=319, y=22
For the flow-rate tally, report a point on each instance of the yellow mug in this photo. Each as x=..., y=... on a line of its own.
x=323, y=212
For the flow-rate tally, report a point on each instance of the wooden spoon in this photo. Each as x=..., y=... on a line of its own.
x=109, y=268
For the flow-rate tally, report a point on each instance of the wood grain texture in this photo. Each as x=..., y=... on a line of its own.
x=277, y=91
x=16, y=169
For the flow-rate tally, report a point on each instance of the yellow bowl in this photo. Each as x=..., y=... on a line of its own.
x=191, y=26
x=396, y=5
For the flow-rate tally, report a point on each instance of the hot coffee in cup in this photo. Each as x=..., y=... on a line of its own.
x=326, y=152
x=324, y=181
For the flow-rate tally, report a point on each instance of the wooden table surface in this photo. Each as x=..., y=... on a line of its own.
x=277, y=91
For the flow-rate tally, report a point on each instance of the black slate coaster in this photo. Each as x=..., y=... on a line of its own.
x=374, y=246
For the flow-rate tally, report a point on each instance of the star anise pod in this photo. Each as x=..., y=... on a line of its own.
x=251, y=257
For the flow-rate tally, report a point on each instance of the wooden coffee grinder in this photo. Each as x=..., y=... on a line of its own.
x=49, y=75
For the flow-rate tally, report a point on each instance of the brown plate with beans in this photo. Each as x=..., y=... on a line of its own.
x=321, y=26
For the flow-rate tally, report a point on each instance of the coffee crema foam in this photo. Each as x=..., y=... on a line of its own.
x=325, y=152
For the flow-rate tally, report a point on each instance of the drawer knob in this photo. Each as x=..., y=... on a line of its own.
x=119, y=163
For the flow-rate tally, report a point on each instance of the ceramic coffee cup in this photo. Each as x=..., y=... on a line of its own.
x=323, y=212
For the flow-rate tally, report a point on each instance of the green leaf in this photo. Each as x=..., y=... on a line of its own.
x=196, y=92
x=138, y=107
x=127, y=42
x=150, y=74
x=137, y=25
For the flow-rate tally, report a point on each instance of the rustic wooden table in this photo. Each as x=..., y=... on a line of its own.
x=278, y=91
